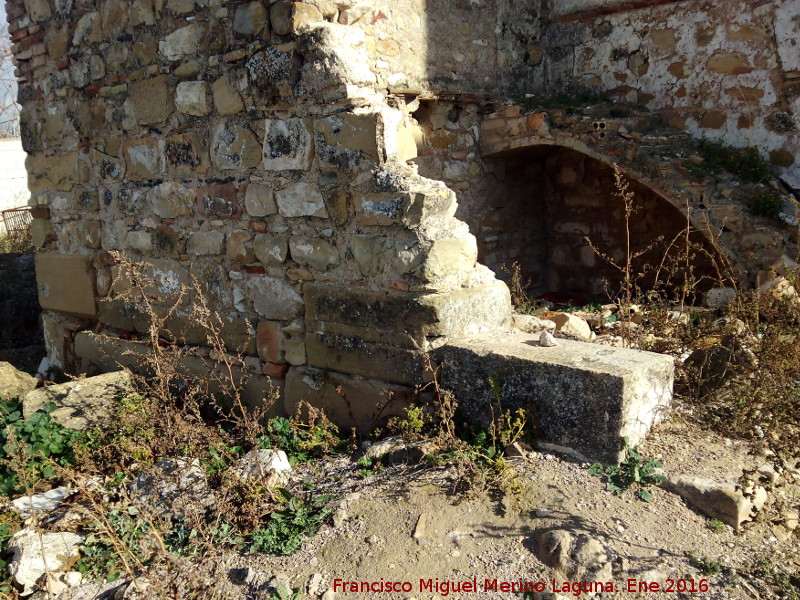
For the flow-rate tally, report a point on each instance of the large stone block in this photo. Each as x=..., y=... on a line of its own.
x=274, y=299
x=347, y=140
x=403, y=319
x=348, y=401
x=234, y=147
x=288, y=145
x=182, y=42
x=66, y=284
x=144, y=158
x=48, y=173
x=301, y=199
x=356, y=355
x=581, y=396
x=287, y=17
x=152, y=100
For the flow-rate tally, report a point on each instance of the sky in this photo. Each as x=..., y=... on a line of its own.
x=7, y=83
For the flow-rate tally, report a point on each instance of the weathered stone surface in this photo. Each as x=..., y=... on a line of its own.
x=314, y=252
x=83, y=404
x=191, y=97
x=729, y=64
x=356, y=355
x=587, y=396
x=347, y=400
x=240, y=247
x=347, y=140
x=227, y=100
x=274, y=299
x=48, y=173
x=287, y=17
x=234, y=147
x=177, y=487
x=13, y=382
x=206, y=243
x=36, y=553
x=337, y=64
x=171, y=199
x=716, y=499
x=144, y=158
x=271, y=249
x=88, y=30
x=571, y=325
x=288, y=145
x=250, y=18
x=66, y=283
x=576, y=557
x=405, y=319
x=259, y=200
x=182, y=42
x=220, y=200
x=301, y=199
x=152, y=100
x=40, y=504
x=140, y=240
x=267, y=467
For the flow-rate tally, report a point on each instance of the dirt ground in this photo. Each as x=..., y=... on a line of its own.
x=404, y=525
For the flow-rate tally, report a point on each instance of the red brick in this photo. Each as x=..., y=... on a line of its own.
x=91, y=90
x=276, y=371
x=255, y=269
x=271, y=341
x=19, y=35
x=32, y=39
x=258, y=226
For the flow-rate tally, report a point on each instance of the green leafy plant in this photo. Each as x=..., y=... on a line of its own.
x=113, y=542
x=745, y=163
x=705, y=565
x=302, y=442
x=411, y=425
x=764, y=203
x=634, y=470
x=366, y=466
x=715, y=525
x=287, y=528
x=284, y=593
x=43, y=444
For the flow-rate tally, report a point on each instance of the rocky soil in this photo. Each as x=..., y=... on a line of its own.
x=404, y=524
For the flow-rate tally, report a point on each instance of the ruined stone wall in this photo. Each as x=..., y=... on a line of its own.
x=247, y=152
x=725, y=70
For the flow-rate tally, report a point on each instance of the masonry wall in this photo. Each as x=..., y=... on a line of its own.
x=248, y=154
x=725, y=70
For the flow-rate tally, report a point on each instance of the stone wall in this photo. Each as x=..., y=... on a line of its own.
x=725, y=70
x=257, y=152
x=248, y=153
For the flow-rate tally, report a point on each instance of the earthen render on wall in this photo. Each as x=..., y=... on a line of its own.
x=328, y=170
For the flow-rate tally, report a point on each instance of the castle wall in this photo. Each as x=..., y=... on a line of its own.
x=723, y=70
x=249, y=155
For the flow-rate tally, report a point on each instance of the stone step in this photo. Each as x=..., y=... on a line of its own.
x=581, y=396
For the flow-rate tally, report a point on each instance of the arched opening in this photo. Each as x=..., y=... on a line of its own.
x=559, y=215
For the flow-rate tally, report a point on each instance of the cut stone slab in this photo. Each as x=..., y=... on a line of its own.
x=583, y=397
x=83, y=404
x=716, y=499
x=66, y=283
x=14, y=383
